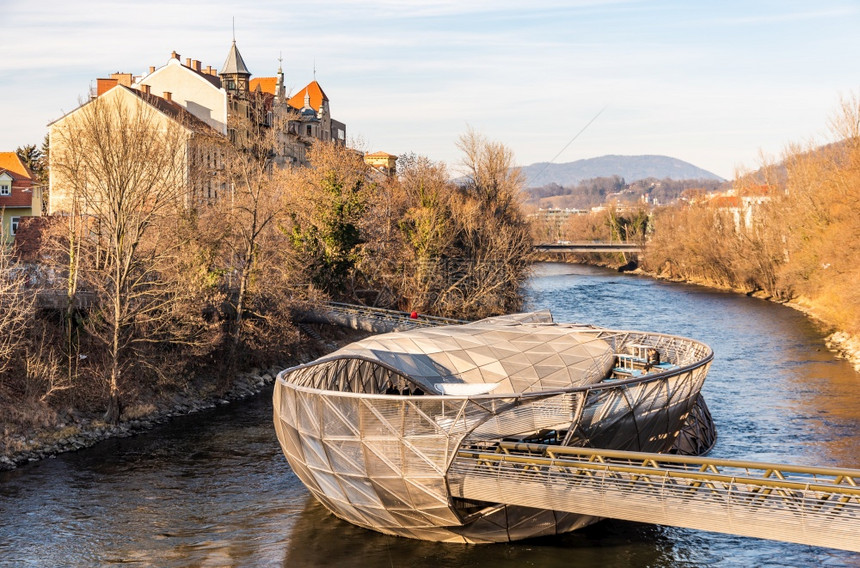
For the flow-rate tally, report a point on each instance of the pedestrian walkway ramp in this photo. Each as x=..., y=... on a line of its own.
x=807, y=505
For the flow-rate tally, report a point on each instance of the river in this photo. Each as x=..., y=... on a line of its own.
x=213, y=489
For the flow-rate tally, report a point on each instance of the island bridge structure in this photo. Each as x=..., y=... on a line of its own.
x=518, y=427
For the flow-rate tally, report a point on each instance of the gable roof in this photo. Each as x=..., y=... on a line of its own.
x=316, y=93
x=173, y=62
x=12, y=165
x=214, y=79
x=265, y=84
x=169, y=108
x=234, y=63
x=174, y=110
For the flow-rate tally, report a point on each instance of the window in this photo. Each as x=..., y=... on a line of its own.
x=5, y=188
x=13, y=226
x=309, y=129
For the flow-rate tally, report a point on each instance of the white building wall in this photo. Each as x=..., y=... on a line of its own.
x=200, y=97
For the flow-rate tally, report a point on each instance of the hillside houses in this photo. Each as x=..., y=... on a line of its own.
x=19, y=194
x=210, y=107
x=744, y=205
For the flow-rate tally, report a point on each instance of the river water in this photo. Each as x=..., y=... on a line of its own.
x=213, y=489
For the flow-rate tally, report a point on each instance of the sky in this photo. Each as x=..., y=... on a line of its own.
x=722, y=85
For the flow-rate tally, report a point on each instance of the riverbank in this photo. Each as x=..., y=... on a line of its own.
x=844, y=344
x=76, y=430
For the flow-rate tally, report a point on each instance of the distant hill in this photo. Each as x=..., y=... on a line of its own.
x=631, y=168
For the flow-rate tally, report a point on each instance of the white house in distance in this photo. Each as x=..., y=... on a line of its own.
x=196, y=89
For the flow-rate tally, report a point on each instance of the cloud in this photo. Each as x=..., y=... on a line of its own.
x=715, y=81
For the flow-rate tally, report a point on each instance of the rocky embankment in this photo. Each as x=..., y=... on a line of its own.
x=85, y=432
x=82, y=432
x=845, y=345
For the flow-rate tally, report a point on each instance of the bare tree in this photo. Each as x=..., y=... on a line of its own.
x=245, y=225
x=492, y=176
x=471, y=244
x=16, y=308
x=124, y=165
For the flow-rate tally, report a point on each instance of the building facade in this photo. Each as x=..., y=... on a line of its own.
x=20, y=196
x=70, y=175
x=214, y=107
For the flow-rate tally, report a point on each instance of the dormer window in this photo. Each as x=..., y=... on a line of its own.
x=5, y=187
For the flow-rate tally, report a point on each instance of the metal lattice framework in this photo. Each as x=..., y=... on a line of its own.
x=807, y=505
x=373, y=429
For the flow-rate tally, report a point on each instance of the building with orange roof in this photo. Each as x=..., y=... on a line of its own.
x=743, y=204
x=382, y=162
x=216, y=103
x=299, y=122
x=264, y=85
x=19, y=194
x=307, y=112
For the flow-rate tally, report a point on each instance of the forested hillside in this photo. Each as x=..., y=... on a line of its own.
x=631, y=168
x=598, y=191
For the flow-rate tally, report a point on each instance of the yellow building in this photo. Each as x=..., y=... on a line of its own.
x=19, y=194
x=382, y=161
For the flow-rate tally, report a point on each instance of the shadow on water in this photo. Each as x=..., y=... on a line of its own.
x=213, y=489
x=643, y=545
x=319, y=539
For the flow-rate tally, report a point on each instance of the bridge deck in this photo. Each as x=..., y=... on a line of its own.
x=807, y=505
x=588, y=247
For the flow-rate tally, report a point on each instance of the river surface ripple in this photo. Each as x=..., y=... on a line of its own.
x=213, y=489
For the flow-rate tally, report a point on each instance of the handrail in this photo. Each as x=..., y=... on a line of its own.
x=819, y=506
x=397, y=315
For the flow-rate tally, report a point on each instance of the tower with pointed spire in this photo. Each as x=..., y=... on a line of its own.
x=280, y=89
x=235, y=75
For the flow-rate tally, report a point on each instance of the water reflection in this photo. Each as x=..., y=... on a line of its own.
x=214, y=489
x=610, y=544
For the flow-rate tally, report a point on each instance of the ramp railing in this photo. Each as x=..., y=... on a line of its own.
x=808, y=505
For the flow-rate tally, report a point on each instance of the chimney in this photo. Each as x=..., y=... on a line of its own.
x=188, y=62
x=144, y=89
x=195, y=64
x=168, y=96
x=152, y=68
x=174, y=55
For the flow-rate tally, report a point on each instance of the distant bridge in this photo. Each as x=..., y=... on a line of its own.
x=588, y=247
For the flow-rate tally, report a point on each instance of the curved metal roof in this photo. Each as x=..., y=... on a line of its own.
x=496, y=355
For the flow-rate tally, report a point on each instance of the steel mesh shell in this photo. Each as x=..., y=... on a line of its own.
x=368, y=432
